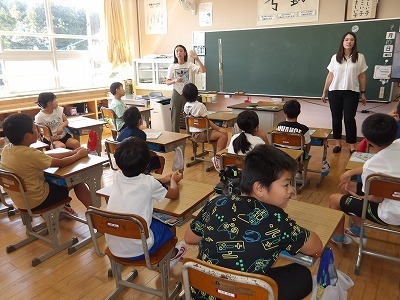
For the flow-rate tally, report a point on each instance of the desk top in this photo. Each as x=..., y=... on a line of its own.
x=166, y=137
x=83, y=122
x=191, y=194
x=144, y=109
x=78, y=166
x=357, y=159
x=320, y=133
x=222, y=116
x=321, y=220
x=257, y=107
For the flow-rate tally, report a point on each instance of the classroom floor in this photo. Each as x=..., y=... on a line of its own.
x=83, y=275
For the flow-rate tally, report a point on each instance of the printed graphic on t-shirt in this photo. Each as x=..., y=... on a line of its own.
x=184, y=72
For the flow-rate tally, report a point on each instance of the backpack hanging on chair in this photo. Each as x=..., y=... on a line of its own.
x=230, y=180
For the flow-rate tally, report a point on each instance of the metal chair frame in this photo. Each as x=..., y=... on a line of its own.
x=202, y=123
x=134, y=227
x=45, y=134
x=14, y=183
x=111, y=146
x=385, y=187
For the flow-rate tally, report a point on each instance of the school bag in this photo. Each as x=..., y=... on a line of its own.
x=230, y=181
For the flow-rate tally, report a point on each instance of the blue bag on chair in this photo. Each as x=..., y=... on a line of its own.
x=327, y=274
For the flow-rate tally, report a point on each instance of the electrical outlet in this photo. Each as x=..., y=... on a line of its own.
x=381, y=92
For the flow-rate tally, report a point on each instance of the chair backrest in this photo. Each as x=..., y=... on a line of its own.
x=383, y=186
x=198, y=122
x=122, y=225
x=45, y=133
x=111, y=146
x=287, y=139
x=231, y=159
x=109, y=116
x=155, y=94
x=224, y=283
x=12, y=182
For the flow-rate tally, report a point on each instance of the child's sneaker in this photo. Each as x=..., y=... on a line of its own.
x=325, y=168
x=180, y=251
x=215, y=161
x=355, y=237
x=67, y=209
x=341, y=239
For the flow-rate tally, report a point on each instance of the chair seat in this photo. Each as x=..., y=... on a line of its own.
x=155, y=258
x=43, y=210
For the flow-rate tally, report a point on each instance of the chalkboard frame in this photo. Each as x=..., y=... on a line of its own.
x=267, y=61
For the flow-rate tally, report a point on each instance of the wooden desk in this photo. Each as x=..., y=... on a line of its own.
x=87, y=170
x=358, y=159
x=269, y=117
x=320, y=134
x=322, y=220
x=39, y=145
x=192, y=196
x=225, y=119
x=168, y=141
x=82, y=126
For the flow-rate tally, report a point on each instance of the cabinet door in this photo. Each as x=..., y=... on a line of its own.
x=162, y=71
x=145, y=73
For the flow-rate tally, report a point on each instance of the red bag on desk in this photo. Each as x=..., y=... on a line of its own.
x=362, y=146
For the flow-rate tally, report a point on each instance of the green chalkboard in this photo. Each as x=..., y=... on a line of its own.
x=291, y=61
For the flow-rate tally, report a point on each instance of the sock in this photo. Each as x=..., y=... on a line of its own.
x=356, y=230
x=338, y=238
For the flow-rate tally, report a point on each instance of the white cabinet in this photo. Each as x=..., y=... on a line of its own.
x=151, y=73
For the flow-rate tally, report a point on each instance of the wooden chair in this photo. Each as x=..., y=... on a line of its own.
x=110, y=117
x=45, y=134
x=111, y=146
x=231, y=159
x=204, y=124
x=14, y=184
x=223, y=283
x=385, y=187
x=294, y=141
x=133, y=227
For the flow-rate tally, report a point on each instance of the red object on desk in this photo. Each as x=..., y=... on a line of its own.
x=93, y=141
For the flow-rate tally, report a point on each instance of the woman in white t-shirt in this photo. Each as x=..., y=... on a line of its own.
x=53, y=115
x=344, y=83
x=180, y=73
x=250, y=135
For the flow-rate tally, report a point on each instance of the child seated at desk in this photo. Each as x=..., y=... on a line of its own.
x=247, y=232
x=117, y=105
x=195, y=108
x=380, y=130
x=250, y=135
x=133, y=122
x=133, y=193
x=53, y=116
x=29, y=163
x=292, y=110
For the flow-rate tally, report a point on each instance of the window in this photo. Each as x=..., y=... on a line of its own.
x=51, y=45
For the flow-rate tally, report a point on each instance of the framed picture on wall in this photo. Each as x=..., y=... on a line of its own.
x=361, y=9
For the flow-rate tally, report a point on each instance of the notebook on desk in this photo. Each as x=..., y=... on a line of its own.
x=166, y=219
x=153, y=135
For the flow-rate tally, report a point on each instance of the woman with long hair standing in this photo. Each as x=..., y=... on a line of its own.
x=180, y=73
x=345, y=85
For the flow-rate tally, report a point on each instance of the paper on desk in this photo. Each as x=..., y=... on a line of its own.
x=51, y=170
x=153, y=135
x=311, y=131
x=360, y=156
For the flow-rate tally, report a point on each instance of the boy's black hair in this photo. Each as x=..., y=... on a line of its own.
x=114, y=86
x=292, y=109
x=131, y=117
x=132, y=156
x=380, y=129
x=190, y=92
x=265, y=164
x=16, y=126
x=45, y=98
x=247, y=121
